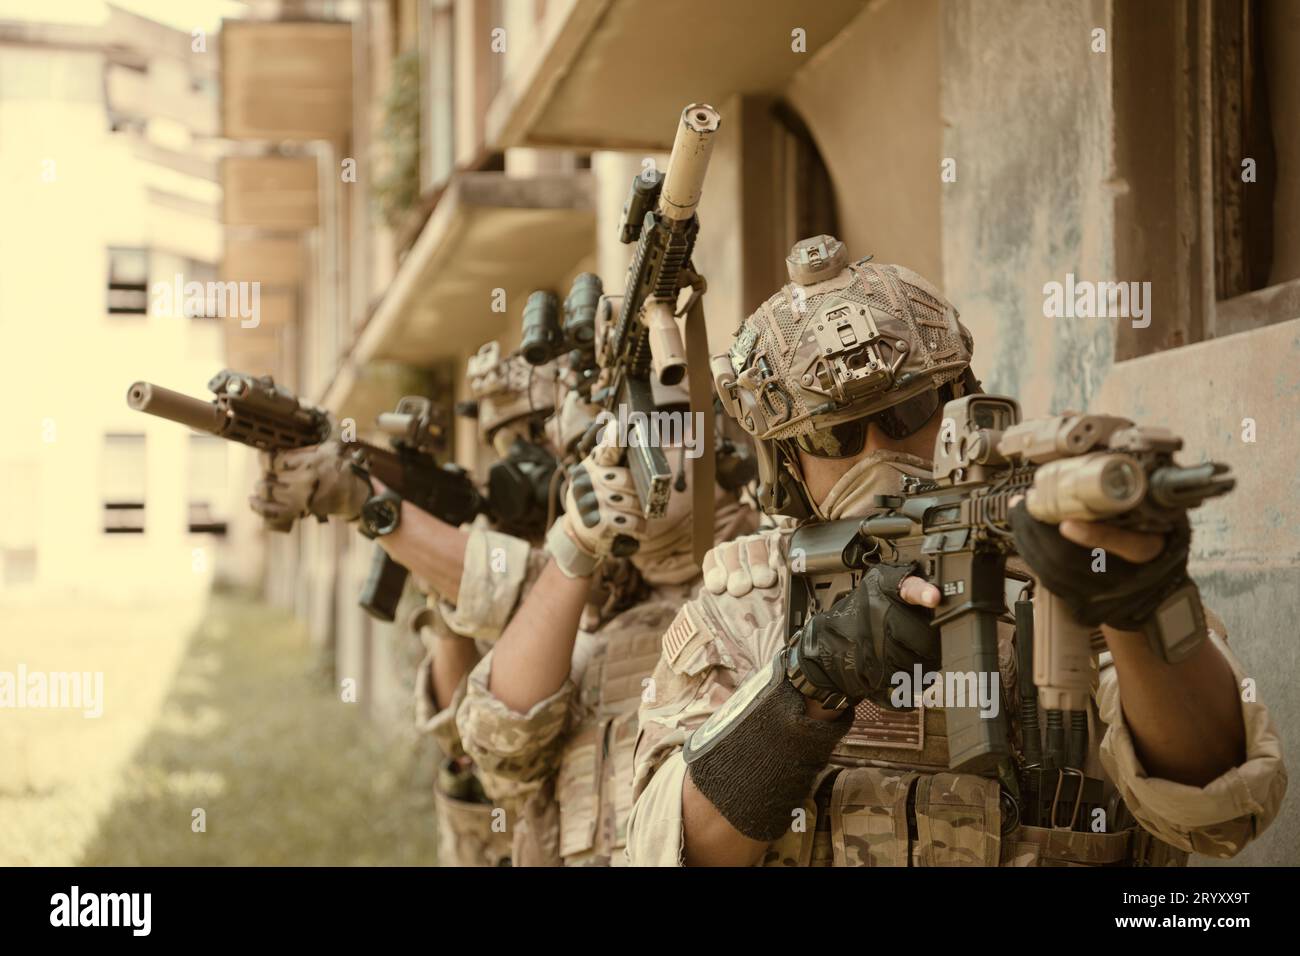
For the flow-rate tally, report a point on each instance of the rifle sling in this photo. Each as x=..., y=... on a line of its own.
x=701, y=388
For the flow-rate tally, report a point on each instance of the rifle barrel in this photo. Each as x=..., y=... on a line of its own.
x=175, y=406
x=689, y=161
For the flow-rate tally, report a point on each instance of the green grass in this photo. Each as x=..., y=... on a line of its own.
x=285, y=771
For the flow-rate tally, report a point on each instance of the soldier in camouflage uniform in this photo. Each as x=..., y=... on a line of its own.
x=553, y=706
x=767, y=747
x=473, y=578
x=499, y=569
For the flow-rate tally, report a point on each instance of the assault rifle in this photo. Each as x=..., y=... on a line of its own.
x=644, y=339
x=955, y=524
x=256, y=412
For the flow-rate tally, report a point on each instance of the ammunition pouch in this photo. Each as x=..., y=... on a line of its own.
x=878, y=816
x=466, y=835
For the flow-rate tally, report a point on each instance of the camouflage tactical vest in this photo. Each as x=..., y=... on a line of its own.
x=594, y=786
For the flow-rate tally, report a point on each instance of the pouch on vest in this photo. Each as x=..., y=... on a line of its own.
x=868, y=809
x=577, y=788
x=622, y=746
x=958, y=821
x=465, y=833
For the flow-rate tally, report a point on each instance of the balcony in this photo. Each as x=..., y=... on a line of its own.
x=604, y=74
x=488, y=231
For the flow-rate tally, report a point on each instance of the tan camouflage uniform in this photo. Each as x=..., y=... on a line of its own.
x=573, y=750
x=499, y=569
x=897, y=768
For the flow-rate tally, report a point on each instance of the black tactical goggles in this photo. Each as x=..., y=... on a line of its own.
x=848, y=438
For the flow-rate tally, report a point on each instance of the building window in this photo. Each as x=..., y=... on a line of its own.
x=207, y=484
x=807, y=195
x=122, y=481
x=128, y=281
x=1207, y=143
x=787, y=193
x=203, y=339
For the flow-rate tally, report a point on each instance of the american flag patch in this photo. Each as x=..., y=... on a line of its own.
x=679, y=634
x=877, y=726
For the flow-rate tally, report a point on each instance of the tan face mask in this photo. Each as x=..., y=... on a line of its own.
x=880, y=473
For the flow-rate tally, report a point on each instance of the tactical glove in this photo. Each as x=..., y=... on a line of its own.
x=1124, y=595
x=736, y=567
x=602, y=513
x=855, y=646
x=318, y=480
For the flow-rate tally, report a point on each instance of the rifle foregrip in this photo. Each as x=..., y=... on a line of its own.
x=383, y=588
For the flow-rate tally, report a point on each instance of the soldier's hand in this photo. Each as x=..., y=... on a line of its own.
x=317, y=480
x=1136, y=546
x=737, y=567
x=880, y=628
x=602, y=513
x=1138, y=571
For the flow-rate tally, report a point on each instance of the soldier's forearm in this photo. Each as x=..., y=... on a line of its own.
x=453, y=657
x=532, y=659
x=709, y=839
x=1185, y=718
x=429, y=548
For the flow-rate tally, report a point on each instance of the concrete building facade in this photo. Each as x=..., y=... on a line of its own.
x=108, y=187
x=1001, y=149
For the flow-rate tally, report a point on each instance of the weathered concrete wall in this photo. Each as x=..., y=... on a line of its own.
x=1027, y=117
x=1246, y=546
x=1027, y=107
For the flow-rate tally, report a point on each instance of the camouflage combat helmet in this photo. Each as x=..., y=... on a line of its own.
x=508, y=389
x=841, y=343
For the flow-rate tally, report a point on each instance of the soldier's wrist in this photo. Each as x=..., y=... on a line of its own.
x=757, y=756
x=570, y=557
x=809, y=681
x=1174, y=628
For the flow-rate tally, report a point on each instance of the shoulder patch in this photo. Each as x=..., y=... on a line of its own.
x=679, y=633
x=691, y=645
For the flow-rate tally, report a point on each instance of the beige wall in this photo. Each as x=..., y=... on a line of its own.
x=871, y=101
